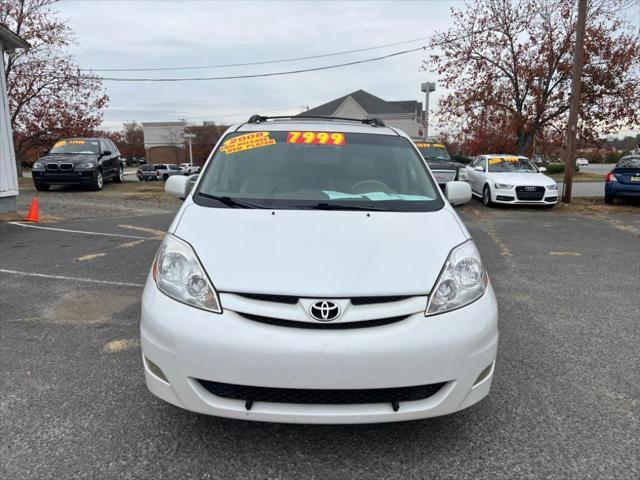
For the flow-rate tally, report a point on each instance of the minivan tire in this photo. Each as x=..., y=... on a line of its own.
x=486, y=196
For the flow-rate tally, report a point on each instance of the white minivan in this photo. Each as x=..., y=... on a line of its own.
x=317, y=274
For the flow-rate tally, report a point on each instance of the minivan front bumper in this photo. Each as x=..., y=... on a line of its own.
x=185, y=348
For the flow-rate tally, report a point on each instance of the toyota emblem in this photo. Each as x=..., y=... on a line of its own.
x=324, y=311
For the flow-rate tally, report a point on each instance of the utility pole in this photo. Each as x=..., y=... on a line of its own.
x=189, y=136
x=427, y=88
x=574, y=105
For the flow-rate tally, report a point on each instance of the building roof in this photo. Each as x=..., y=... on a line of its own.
x=370, y=103
x=10, y=41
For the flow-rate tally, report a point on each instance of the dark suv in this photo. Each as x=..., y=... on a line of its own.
x=79, y=161
x=443, y=167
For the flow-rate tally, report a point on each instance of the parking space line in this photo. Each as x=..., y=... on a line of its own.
x=72, y=279
x=83, y=232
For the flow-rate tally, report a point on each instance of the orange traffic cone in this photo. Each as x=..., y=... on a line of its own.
x=33, y=215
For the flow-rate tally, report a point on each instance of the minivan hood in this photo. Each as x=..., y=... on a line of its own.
x=320, y=253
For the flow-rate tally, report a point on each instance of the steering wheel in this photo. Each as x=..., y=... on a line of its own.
x=376, y=184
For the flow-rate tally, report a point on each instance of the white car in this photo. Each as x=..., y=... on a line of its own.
x=582, y=162
x=317, y=274
x=511, y=179
x=188, y=169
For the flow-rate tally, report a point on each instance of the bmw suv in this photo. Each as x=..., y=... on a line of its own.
x=79, y=161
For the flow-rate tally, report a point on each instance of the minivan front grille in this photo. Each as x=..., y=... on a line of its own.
x=279, y=322
x=292, y=300
x=321, y=397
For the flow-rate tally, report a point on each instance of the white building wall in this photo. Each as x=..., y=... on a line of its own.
x=157, y=134
x=8, y=170
x=407, y=125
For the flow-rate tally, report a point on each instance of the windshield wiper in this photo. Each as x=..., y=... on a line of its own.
x=231, y=202
x=342, y=206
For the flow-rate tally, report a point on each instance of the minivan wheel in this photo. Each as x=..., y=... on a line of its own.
x=119, y=178
x=486, y=196
x=42, y=187
x=98, y=181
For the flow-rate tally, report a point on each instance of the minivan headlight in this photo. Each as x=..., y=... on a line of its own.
x=463, y=280
x=179, y=274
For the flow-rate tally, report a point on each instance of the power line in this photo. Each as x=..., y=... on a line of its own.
x=257, y=75
x=245, y=64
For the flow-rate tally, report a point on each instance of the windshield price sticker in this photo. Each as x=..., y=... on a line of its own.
x=494, y=161
x=76, y=142
x=316, y=138
x=429, y=145
x=60, y=143
x=248, y=141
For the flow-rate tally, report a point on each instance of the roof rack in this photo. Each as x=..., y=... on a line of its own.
x=374, y=122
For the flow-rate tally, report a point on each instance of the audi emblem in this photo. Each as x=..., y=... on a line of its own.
x=530, y=189
x=324, y=311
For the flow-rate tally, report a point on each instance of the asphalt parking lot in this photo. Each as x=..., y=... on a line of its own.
x=564, y=403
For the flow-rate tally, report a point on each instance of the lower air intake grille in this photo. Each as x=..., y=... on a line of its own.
x=322, y=326
x=321, y=397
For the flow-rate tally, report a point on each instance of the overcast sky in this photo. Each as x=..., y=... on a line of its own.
x=177, y=33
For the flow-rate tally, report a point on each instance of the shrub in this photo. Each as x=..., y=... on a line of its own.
x=555, y=168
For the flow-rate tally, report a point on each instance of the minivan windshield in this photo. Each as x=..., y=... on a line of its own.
x=317, y=170
x=75, y=146
x=511, y=164
x=433, y=151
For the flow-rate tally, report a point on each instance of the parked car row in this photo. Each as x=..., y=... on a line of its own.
x=162, y=171
x=495, y=178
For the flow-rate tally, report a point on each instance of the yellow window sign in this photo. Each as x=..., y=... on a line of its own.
x=494, y=161
x=60, y=143
x=248, y=141
x=76, y=142
x=428, y=145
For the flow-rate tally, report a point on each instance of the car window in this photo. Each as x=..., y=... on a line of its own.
x=159, y=167
x=147, y=168
x=75, y=146
x=297, y=169
x=629, y=162
x=511, y=164
x=114, y=148
x=433, y=151
x=482, y=163
x=174, y=167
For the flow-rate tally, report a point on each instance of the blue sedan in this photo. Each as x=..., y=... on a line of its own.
x=624, y=180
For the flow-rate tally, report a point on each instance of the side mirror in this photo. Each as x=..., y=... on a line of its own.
x=178, y=186
x=457, y=192
x=542, y=169
x=478, y=168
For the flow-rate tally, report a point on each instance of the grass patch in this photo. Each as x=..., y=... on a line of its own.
x=596, y=206
x=580, y=177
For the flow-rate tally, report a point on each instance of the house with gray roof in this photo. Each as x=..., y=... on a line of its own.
x=404, y=114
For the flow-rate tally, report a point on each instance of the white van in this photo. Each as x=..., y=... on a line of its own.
x=317, y=274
